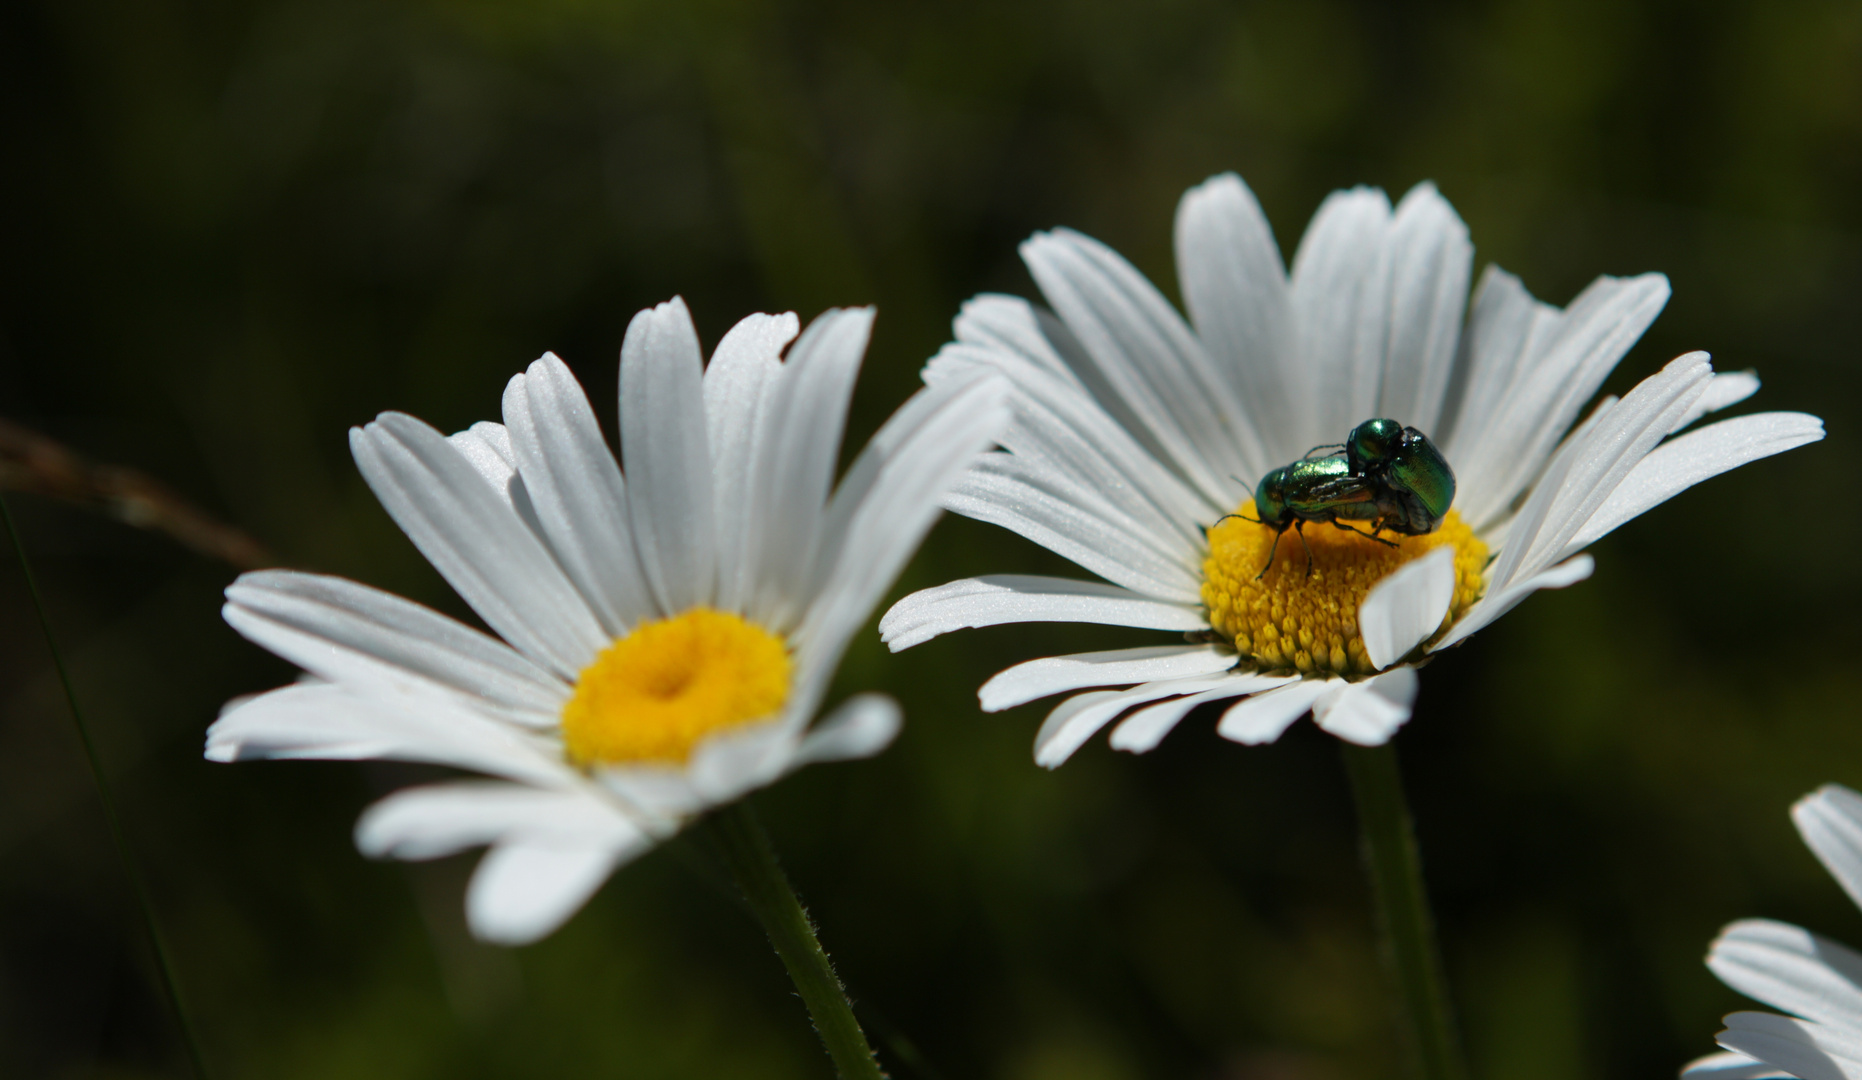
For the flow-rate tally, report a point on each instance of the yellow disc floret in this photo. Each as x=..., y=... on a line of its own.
x=1289, y=620
x=652, y=695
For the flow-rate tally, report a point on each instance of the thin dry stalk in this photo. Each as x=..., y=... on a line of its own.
x=36, y=465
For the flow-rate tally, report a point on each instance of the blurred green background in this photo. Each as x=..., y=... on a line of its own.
x=233, y=228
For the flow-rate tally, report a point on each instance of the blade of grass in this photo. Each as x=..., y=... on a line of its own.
x=123, y=854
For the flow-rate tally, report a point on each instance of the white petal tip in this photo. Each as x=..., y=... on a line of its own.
x=1263, y=718
x=861, y=728
x=1250, y=739
x=1404, y=609
x=521, y=893
x=1370, y=712
x=1727, y=1065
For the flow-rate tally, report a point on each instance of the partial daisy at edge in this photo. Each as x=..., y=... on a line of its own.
x=665, y=638
x=1138, y=437
x=1816, y=980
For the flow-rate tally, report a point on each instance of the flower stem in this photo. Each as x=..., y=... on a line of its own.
x=136, y=885
x=752, y=860
x=1403, y=917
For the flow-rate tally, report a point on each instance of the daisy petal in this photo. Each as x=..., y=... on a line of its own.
x=318, y=720
x=1562, y=358
x=1368, y=713
x=1235, y=288
x=1059, y=426
x=1075, y=523
x=916, y=441
x=1686, y=460
x=736, y=381
x=1496, y=604
x=1406, y=607
x=864, y=725
x=1803, y=1049
x=523, y=890
x=1341, y=307
x=661, y=797
x=885, y=505
x=1118, y=667
x=1140, y=732
x=1531, y=517
x=1078, y=718
x=1830, y=821
x=487, y=447
x=1727, y=388
x=1730, y=1066
x=341, y=631
x=1011, y=325
x=669, y=500
x=440, y=819
x=1153, y=370
x=1789, y=968
x=1596, y=463
x=1505, y=329
x=474, y=538
x=1263, y=717
x=798, y=448
x=1431, y=259
x=575, y=490
x=734, y=762
x=1016, y=598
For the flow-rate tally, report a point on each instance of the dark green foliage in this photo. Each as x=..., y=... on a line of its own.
x=233, y=228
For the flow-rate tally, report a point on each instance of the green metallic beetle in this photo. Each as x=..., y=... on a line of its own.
x=1313, y=489
x=1409, y=472
x=1384, y=474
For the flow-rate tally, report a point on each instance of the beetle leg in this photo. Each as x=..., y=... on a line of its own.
x=1275, y=546
x=1337, y=524
x=1300, y=526
x=1322, y=446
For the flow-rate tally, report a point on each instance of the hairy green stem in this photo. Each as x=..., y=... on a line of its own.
x=746, y=849
x=104, y=795
x=1403, y=917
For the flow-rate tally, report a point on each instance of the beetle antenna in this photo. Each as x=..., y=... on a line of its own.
x=1322, y=446
x=1243, y=517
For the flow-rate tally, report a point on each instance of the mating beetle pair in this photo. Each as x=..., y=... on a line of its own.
x=1384, y=474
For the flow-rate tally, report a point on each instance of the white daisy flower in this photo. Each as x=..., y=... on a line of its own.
x=1138, y=437
x=667, y=636
x=1816, y=980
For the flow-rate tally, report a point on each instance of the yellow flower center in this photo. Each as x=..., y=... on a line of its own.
x=652, y=695
x=1291, y=620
